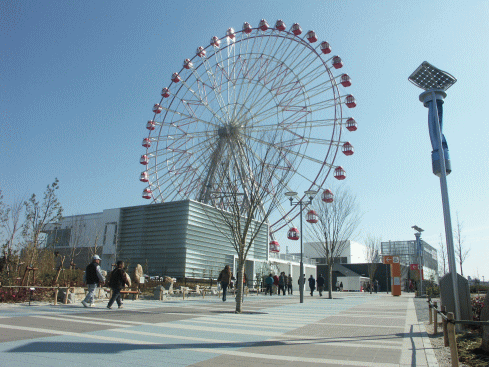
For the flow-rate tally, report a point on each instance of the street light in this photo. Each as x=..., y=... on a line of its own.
x=310, y=194
x=419, y=253
x=435, y=82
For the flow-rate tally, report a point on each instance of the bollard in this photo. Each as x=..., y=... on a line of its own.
x=430, y=313
x=203, y=293
x=452, y=340
x=435, y=311
x=445, y=326
x=183, y=292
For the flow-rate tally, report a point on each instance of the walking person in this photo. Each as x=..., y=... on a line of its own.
x=341, y=286
x=225, y=277
x=312, y=284
x=320, y=284
x=275, y=284
x=376, y=287
x=337, y=286
x=118, y=280
x=269, y=284
x=282, y=281
x=289, y=284
x=93, y=278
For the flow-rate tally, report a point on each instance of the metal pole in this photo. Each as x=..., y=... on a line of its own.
x=419, y=252
x=301, y=278
x=452, y=266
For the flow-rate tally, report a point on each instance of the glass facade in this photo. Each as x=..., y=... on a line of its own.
x=406, y=250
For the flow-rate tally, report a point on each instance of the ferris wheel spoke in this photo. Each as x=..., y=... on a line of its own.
x=189, y=118
x=199, y=102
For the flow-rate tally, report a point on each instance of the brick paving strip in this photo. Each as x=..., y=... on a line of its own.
x=350, y=330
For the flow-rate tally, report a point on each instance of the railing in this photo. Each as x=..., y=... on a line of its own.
x=448, y=324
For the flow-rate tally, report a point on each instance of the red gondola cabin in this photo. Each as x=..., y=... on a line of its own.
x=165, y=92
x=312, y=216
x=350, y=101
x=337, y=63
x=146, y=143
x=187, y=64
x=146, y=194
x=215, y=41
x=144, y=177
x=144, y=160
x=274, y=246
x=293, y=234
x=247, y=28
x=351, y=124
x=230, y=33
x=157, y=108
x=325, y=47
x=296, y=29
x=339, y=173
x=175, y=78
x=263, y=25
x=347, y=148
x=200, y=52
x=327, y=196
x=280, y=25
x=345, y=80
x=150, y=125
x=311, y=36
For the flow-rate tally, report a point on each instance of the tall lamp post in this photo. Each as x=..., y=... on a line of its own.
x=310, y=194
x=435, y=82
x=419, y=253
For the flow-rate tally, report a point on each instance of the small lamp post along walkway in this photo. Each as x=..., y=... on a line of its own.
x=293, y=232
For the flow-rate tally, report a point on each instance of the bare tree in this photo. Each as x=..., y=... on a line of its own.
x=372, y=255
x=78, y=239
x=442, y=255
x=252, y=177
x=10, y=223
x=460, y=249
x=337, y=223
x=38, y=214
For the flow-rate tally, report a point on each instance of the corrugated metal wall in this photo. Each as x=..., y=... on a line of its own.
x=180, y=239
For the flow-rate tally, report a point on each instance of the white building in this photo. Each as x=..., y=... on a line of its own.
x=352, y=253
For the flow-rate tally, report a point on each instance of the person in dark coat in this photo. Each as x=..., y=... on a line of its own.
x=118, y=280
x=93, y=278
x=282, y=281
x=268, y=283
x=320, y=284
x=312, y=284
x=225, y=277
x=289, y=284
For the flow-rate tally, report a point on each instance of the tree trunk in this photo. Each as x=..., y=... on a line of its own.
x=485, y=329
x=239, y=286
x=330, y=281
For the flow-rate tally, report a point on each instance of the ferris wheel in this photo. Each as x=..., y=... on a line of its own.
x=250, y=85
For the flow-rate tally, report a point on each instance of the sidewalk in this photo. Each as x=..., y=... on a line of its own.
x=354, y=329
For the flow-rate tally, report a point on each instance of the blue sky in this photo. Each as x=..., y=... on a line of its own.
x=78, y=80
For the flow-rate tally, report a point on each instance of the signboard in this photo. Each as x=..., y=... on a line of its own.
x=414, y=266
x=390, y=259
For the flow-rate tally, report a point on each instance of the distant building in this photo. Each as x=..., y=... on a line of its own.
x=178, y=239
x=352, y=253
x=408, y=254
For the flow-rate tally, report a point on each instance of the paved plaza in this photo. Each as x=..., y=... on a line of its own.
x=354, y=329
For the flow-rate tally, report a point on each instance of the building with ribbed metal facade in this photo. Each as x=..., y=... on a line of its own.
x=179, y=239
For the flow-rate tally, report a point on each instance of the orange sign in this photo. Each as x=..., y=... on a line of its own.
x=395, y=265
